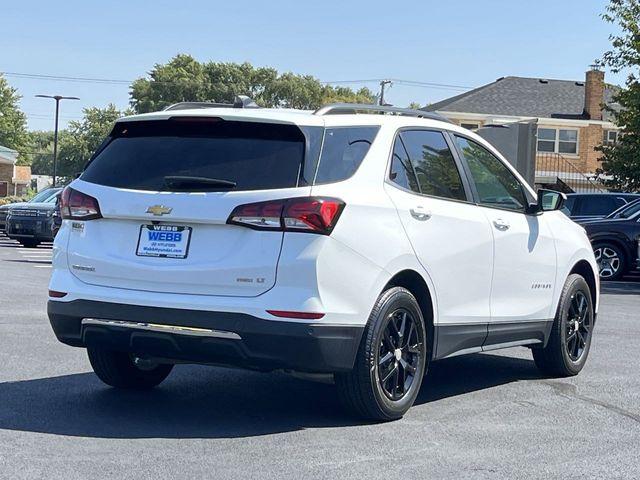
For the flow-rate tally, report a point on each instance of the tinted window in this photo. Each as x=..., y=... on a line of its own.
x=568, y=206
x=598, y=205
x=494, y=182
x=343, y=151
x=433, y=162
x=628, y=211
x=254, y=155
x=401, y=169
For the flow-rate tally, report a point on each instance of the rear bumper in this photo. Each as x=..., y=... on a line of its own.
x=221, y=338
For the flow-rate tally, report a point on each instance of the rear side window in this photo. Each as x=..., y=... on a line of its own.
x=402, y=172
x=598, y=205
x=433, y=162
x=343, y=150
x=256, y=156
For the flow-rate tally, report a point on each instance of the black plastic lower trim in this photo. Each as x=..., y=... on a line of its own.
x=264, y=344
x=477, y=337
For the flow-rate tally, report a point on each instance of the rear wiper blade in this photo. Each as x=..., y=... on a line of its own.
x=197, y=183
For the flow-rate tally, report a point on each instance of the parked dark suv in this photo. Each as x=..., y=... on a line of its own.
x=30, y=223
x=615, y=241
x=41, y=196
x=590, y=206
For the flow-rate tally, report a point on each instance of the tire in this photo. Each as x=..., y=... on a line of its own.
x=612, y=261
x=29, y=243
x=394, y=346
x=562, y=356
x=118, y=370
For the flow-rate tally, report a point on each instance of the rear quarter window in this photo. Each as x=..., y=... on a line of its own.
x=343, y=150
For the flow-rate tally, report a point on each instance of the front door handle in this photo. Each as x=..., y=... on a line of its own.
x=419, y=214
x=501, y=224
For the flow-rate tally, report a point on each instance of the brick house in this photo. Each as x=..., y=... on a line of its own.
x=570, y=119
x=14, y=179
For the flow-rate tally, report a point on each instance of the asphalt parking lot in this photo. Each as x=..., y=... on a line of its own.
x=480, y=416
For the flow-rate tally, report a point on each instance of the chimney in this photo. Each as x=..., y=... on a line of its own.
x=594, y=93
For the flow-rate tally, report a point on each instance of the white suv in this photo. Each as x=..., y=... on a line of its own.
x=360, y=241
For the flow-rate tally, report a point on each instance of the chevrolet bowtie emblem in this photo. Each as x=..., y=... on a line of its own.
x=159, y=210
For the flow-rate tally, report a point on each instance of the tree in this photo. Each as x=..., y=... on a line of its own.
x=415, y=106
x=82, y=138
x=41, y=154
x=13, y=123
x=185, y=79
x=621, y=161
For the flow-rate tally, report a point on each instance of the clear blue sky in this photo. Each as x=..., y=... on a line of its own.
x=467, y=43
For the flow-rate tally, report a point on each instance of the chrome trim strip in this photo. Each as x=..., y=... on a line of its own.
x=156, y=327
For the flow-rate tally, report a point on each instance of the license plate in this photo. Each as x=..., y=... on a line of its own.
x=167, y=241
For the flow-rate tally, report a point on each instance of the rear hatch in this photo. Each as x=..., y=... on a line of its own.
x=165, y=189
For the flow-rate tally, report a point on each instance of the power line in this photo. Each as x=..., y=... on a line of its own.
x=38, y=76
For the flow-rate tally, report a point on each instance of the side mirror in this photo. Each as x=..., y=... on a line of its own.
x=548, y=200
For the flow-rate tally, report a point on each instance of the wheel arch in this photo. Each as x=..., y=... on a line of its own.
x=416, y=284
x=583, y=268
x=619, y=242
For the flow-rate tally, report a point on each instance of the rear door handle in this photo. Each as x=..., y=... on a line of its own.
x=420, y=214
x=501, y=224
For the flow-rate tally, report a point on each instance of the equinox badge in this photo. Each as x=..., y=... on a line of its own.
x=159, y=210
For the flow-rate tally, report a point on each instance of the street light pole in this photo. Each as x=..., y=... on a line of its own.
x=57, y=98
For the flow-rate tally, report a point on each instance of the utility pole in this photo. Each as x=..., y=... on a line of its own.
x=383, y=83
x=57, y=98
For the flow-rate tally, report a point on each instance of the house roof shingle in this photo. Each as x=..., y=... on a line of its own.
x=525, y=97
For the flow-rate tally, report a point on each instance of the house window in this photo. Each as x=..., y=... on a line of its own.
x=470, y=126
x=558, y=140
x=610, y=136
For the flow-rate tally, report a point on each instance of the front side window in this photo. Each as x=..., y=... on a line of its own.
x=558, y=140
x=496, y=185
x=435, y=167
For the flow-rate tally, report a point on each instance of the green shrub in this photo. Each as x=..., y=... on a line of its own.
x=12, y=199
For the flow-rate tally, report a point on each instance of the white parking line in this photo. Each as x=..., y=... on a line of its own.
x=42, y=266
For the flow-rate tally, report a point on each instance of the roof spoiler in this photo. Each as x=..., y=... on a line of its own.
x=241, y=101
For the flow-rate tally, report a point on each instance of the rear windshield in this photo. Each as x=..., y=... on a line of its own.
x=255, y=156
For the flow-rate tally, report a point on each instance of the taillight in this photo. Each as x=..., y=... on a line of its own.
x=75, y=205
x=305, y=214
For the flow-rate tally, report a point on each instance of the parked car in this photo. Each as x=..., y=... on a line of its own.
x=615, y=241
x=591, y=206
x=30, y=222
x=41, y=196
x=343, y=241
x=56, y=220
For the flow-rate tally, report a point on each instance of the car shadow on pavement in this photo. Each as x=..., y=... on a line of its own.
x=210, y=402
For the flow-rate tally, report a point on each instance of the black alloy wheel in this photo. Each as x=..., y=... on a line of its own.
x=399, y=354
x=392, y=359
x=577, y=326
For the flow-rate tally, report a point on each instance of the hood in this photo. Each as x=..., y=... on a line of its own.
x=34, y=206
x=11, y=205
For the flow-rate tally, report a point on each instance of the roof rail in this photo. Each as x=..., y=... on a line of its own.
x=241, y=101
x=352, y=108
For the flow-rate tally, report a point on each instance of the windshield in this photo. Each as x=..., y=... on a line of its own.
x=44, y=195
x=627, y=211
